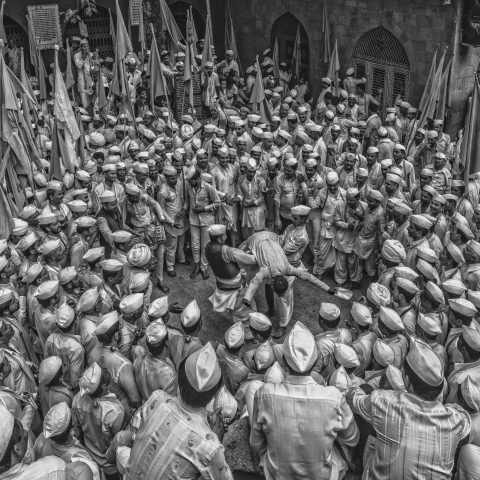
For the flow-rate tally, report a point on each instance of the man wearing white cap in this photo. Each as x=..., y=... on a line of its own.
x=172, y=198
x=311, y=416
x=391, y=414
x=348, y=221
x=66, y=345
x=274, y=266
x=328, y=200
x=203, y=200
x=185, y=444
x=442, y=178
x=152, y=368
x=120, y=368
x=417, y=231
x=15, y=462
x=369, y=237
x=109, y=183
x=251, y=188
x=99, y=414
x=350, y=83
x=227, y=265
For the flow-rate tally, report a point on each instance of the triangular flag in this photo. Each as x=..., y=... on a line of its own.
x=62, y=107
x=141, y=32
x=193, y=33
x=102, y=101
x=207, y=47
x=296, y=58
x=123, y=46
x=443, y=100
x=276, y=60
x=157, y=82
x=470, y=147
x=69, y=80
x=334, y=67
x=326, y=34
x=428, y=85
x=55, y=162
x=257, y=97
x=3, y=35
x=112, y=26
x=429, y=110
x=81, y=140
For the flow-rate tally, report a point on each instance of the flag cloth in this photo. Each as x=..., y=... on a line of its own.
x=193, y=34
x=207, y=47
x=189, y=61
x=326, y=34
x=112, y=27
x=428, y=85
x=24, y=78
x=102, y=101
x=334, y=67
x=257, y=97
x=6, y=217
x=3, y=35
x=209, y=21
x=123, y=46
x=55, y=162
x=62, y=107
x=431, y=103
x=296, y=58
x=69, y=81
x=470, y=148
x=170, y=25
x=443, y=100
x=141, y=33
x=157, y=82
x=276, y=60
x=81, y=140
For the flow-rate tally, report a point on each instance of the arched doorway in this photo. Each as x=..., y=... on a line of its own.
x=285, y=30
x=179, y=12
x=381, y=59
x=98, y=26
x=14, y=31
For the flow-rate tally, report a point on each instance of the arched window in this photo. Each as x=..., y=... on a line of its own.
x=381, y=59
x=179, y=12
x=14, y=31
x=98, y=26
x=285, y=30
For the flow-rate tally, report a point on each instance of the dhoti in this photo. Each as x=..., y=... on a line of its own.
x=326, y=255
x=223, y=300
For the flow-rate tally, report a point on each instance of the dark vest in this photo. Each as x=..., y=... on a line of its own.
x=221, y=268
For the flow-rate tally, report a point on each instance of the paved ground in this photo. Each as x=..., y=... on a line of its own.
x=307, y=302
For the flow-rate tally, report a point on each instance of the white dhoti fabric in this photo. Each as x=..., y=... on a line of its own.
x=225, y=300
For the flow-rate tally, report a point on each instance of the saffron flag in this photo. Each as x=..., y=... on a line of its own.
x=3, y=35
x=276, y=60
x=55, y=162
x=62, y=107
x=69, y=81
x=428, y=85
x=326, y=34
x=334, y=67
x=470, y=147
x=157, y=81
x=296, y=58
x=207, y=47
x=257, y=97
x=443, y=100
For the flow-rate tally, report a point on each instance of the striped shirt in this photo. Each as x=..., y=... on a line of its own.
x=415, y=439
x=175, y=443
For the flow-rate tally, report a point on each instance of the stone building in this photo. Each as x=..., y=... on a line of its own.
x=391, y=43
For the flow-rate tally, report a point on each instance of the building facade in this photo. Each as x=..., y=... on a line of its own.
x=390, y=42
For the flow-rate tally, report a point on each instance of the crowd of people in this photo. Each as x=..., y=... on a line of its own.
x=104, y=376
